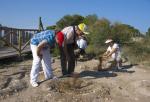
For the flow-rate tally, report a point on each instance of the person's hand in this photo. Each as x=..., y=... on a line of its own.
x=105, y=57
x=77, y=51
x=39, y=54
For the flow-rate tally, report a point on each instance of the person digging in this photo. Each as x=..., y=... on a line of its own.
x=40, y=46
x=66, y=39
x=112, y=56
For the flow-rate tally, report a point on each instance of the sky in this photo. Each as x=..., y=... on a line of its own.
x=25, y=13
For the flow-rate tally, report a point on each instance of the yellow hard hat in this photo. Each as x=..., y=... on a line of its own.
x=83, y=28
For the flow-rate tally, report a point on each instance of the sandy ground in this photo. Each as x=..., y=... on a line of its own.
x=131, y=84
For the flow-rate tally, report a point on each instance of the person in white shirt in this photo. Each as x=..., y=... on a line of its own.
x=113, y=54
x=81, y=46
x=66, y=39
x=82, y=43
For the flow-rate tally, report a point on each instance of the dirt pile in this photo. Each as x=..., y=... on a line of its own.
x=8, y=87
x=76, y=90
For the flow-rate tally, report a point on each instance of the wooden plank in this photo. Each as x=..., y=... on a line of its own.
x=4, y=28
x=10, y=52
x=15, y=38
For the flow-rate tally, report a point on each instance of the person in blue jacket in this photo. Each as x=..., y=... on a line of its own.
x=40, y=46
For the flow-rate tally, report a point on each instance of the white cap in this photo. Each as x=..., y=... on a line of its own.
x=108, y=41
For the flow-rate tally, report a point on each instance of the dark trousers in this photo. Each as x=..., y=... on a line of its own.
x=67, y=65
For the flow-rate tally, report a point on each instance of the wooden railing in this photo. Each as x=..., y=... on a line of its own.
x=16, y=38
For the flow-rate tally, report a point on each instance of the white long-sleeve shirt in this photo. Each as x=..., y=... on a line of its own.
x=117, y=53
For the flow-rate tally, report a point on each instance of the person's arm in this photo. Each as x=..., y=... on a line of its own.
x=104, y=56
x=40, y=46
x=113, y=50
x=65, y=48
x=106, y=53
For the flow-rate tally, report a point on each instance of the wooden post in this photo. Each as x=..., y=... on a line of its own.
x=1, y=36
x=20, y=43
x=41, y=28
x=0, y=31
x=13, y=37
x=7, y=35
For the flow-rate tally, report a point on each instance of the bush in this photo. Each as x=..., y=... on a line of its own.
x=96, y=51
x=138, y=52
x=55, y=52
x=102, y=29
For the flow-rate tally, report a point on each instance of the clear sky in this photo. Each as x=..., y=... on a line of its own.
x=25, y=13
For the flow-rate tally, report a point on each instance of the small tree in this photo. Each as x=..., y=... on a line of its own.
x=69, y=20
x=53, y=27
x=90, y=19
x=41, y=28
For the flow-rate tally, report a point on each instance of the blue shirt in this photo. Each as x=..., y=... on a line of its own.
x=48, y=35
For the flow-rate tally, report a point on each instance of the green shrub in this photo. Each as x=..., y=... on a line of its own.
x=138, y=52
x=55, y=52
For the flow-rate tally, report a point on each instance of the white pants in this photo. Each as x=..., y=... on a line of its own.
x=46, y=64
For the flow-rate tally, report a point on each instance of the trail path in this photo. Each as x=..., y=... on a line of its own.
x=131, y=84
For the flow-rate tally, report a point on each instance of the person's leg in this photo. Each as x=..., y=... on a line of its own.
x=119, y=63
x=111, y=63
x=100, y=63
x=114, y=64
x=35, y=65
x=46, y=63
x=71, y=59
x=63, y=61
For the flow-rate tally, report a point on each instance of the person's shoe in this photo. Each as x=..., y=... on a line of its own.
x=75, y=75
x=54, y=78
x=119, y=68
x=34, y=84
x=99, y=69
x=66, y=75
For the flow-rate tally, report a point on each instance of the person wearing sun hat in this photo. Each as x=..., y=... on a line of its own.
x=66, y=40
x=83, y=28
x=112, y=54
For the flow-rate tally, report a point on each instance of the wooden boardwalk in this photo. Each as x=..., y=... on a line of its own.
x=7, y=52
x=16, y=40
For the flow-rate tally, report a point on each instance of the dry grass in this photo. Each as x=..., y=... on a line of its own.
x=138, y=52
